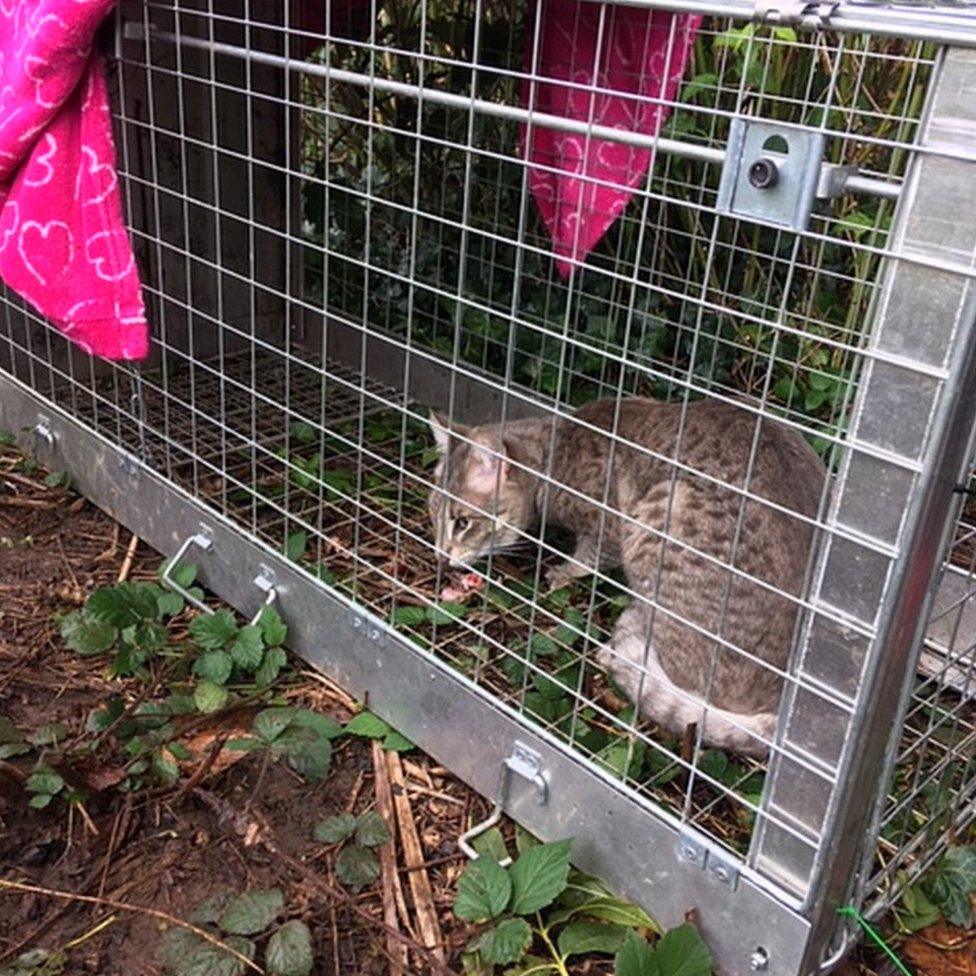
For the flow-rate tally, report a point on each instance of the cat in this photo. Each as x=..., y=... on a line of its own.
x=492, y=488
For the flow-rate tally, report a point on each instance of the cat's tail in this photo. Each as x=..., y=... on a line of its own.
x=635, y=667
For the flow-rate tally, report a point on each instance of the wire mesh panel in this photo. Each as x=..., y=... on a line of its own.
x=671, y=495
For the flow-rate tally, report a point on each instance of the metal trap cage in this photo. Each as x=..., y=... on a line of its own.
x=338, y=232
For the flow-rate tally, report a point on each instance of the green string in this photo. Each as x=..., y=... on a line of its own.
x=872, y=933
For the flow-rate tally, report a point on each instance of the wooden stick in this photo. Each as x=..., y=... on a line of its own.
x=130, y=555
x=413, y=856
x=124, y=906
x=384, y=804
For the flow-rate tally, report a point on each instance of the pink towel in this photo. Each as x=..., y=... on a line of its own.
x=63, y=242
x=642, y=56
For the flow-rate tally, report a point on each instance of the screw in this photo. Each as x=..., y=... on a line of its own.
x=763, y=174
x=374, y=635
x=357, y=623
x=759, y=960
x=689, y=853
x=721, y=873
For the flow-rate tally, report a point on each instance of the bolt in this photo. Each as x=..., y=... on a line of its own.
x=721, y=873
x=374, y=635
x=764, y=174
x=689, y=853
x=759, y=960
x=357, y=623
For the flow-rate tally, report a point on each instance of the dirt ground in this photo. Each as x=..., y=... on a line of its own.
x=107, y=876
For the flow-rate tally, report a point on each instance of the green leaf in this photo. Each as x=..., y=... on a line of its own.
x=211, y=908
x=209, y=697
x=176, y=946
x=274, y=660
x=959, y=867
x=101, y=718
x=309, y=753
x=539, y=876
x=273, y=628
x=215, y=666
x=484, y=890
x=40, y=801
x=325, y=725
x=213, y=631
x=394, y=742
x=183, y=575
x=251, y=912
x=635, y=958
x=506, y=942
x=357, y=868
x=371, y=830
x=86, y=636
x=619, y=912
x=406, y=615
x=248, y=648
x=211, y=960
x=44, y=781
x=584, y=936
x=334, y=830
x=289, y=951
x=271, y=722
x=170, y=604
x=165, y=769
x=123, y=605
x=491, y=844
x=368, y=725
x=446, y=613
x=295, y=545
x=681, y=951
x=302, y=432
x=48, y=735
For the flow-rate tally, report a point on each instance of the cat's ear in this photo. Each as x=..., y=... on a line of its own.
x=488, y=464
x=441, y=428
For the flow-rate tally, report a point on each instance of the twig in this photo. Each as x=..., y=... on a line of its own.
x=130, y=555
x=384, y=803
x=413, y=856
x=124, y=906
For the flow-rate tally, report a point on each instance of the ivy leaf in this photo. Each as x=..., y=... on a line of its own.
x=86, y=636
x=357, y=868
x=251, y=912
x=635, y=958
x=484, y=890
x=334, y=830
x=209, y=697
x=215, y=666
x=506, y=942
x=584, y=936
x=368, y=725
x=248, y=648
x=371, y=830
x=681, y=951
x=274, y=660
x=539, y=876
x=213, y=631
x=273, y=628
x=289, y=951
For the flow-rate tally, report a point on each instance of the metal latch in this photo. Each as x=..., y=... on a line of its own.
x=693, y=848
x=771, y=172
x=525, y=763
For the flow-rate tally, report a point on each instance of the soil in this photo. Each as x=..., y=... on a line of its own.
x=109, y=874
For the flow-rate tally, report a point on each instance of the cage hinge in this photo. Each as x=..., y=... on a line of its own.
x=525, y=763
x=267, y=583
x=694, y=849
x=43, y=433
x=772, y=172
x=784, y=13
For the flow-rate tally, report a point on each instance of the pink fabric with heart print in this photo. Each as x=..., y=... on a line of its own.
x=63, y=242
x=582, y=184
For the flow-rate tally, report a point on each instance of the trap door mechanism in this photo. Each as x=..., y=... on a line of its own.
x=774, y=172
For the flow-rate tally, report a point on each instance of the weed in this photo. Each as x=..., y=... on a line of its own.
x=357, y=866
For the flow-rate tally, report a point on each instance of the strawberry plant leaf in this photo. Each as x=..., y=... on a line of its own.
x=357, y=868
x=215, y=666
x=539, y=876
x=251, y=912
x=681, y=951
x=209, y=697
x=273, y=628
x=371, y=830
x=86, y=636
x=295, y=545
x=213, y=631
x=368, y=725
x=635, y=958
x=507, y=942
x=248, y=648
x=334, y=830
x=274, y=660
x=394, y=742
x=289, y=951
x=585, y=936
x=484, y=890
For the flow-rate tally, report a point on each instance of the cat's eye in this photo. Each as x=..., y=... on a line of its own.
x=461, y=524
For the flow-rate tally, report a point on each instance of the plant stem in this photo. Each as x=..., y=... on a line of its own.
x=557, y=959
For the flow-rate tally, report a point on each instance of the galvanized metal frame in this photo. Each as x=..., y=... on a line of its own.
x=774, y=909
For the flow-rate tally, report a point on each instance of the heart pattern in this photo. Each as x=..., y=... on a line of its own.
x=63, y=241
x=623, y=73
